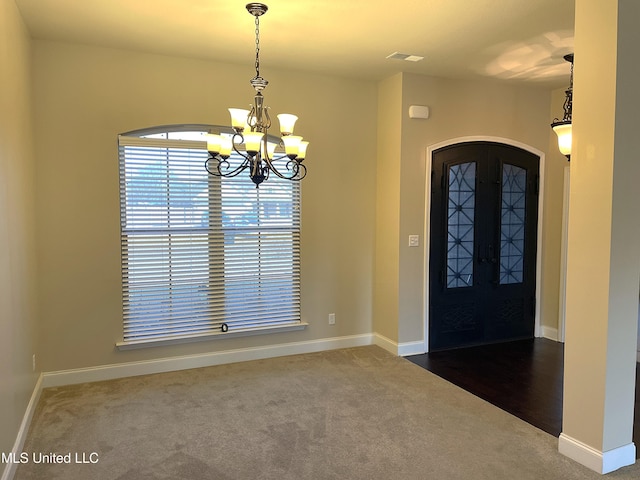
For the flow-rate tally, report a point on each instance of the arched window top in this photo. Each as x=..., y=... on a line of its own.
x=193, y=131
x=190, y=131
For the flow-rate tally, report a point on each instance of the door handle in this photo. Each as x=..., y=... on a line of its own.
x=490, y=257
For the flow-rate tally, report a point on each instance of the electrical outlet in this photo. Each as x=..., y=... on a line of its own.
x=332, y=319
x=33, y=361
x=414, y=240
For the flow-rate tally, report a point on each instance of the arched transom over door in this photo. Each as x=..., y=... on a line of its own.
x=482, y=265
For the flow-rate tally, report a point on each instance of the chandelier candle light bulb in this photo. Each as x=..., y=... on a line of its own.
x=250, y=128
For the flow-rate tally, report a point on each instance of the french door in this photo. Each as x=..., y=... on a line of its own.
x=484, y=208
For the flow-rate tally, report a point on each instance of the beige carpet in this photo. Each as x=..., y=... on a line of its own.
x=358, y=413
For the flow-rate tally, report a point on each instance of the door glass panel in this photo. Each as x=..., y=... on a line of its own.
x=514, y=182
x=460, y=224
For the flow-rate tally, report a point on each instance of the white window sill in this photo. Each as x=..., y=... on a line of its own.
x=161, y=342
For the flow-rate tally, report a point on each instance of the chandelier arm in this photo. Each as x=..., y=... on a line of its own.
x=275, y=159
x=235, y=146
x=298, y=169
x=265, y=171
x=252, y=118
x=267, y=120
x=247, y=160
x=218, y=171
x=223, y=162
x=258, y=118
x=256, y=166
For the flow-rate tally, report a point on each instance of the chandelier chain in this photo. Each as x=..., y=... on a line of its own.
x=257, y=46
x=251, y=129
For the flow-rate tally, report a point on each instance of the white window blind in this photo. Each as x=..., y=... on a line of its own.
x=203, y=254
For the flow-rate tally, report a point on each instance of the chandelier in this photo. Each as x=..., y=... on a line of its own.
x=250, y=127
x=563, y=127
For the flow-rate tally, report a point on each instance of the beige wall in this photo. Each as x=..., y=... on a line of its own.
x=17, y=257
x=389, y=143
x=459, y=109
x=552, y=233
x=85, y=96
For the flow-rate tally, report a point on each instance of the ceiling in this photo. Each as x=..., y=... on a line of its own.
x=513, y=40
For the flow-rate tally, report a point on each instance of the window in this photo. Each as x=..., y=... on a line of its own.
x=202, y=255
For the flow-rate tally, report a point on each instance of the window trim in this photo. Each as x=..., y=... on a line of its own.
x=201, y=337
x=135, y=138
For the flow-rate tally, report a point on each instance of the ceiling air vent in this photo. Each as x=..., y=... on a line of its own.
x=405, y=56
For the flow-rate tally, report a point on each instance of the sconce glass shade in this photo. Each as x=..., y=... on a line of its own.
x=563, y=127
x=226, y=145
x=214, y=143
x=238, y=117
x=287, y=122
x=219, y=144
x=252, y=141
x=302, y=150
x=291, y=145
x=563, y=130
x=271, y=149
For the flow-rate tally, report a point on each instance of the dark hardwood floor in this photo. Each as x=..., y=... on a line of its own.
x=523, y=378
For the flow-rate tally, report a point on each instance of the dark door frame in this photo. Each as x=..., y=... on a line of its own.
x=538, y=331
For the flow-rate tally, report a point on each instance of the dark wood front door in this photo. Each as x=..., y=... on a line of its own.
x=482, y=266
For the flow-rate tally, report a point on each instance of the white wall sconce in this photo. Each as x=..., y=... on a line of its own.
x=563, y=128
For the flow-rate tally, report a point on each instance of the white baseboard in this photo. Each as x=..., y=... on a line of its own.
x=550, y=333
x=383, y=342
x=601, y=462
x=110, y=372
x=10, y=468
x=400, y=349
x=131, y=369
x=411, y=348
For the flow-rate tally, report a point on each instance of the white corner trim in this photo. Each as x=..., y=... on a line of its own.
x=10, y=467
x=550, y=333
x=601, y=462
x=383, y=342
x=411, y=348
x=170, y=364
x=400, y=349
